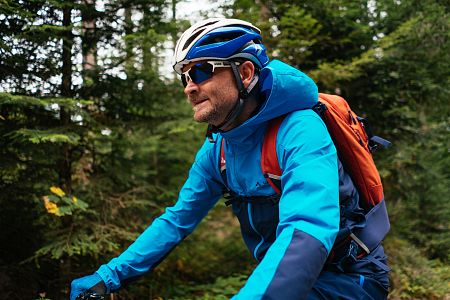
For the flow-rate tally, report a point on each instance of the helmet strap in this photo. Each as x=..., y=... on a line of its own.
x=243, y=94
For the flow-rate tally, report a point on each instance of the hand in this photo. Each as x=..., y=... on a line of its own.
x=93, y=283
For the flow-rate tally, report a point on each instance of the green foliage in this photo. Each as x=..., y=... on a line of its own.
x=413, y=275
x=104, y=158
x=61, y=204
x=299, y=31
x=221, y=289
x=309, y=33
x=41, y=136
x=421, y=185
x=27, y=101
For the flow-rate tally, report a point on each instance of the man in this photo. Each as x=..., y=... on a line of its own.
x=233, y=87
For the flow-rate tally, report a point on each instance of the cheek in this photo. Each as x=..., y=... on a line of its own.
x=226, y=95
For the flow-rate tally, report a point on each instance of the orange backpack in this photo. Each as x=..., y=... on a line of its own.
x=354, y=143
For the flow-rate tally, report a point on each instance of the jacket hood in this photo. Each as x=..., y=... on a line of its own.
x=284, y=90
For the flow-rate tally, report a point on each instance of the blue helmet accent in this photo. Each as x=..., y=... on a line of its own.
x=246, y=41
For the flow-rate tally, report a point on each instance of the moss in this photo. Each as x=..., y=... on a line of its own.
x=413, y=275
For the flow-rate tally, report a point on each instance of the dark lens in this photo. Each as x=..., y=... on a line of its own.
x=201, y=72
x=184, y=80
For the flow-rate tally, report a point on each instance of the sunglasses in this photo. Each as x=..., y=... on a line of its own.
x=203, y=71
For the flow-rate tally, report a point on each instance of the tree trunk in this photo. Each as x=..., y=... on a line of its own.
x=65, y=161
x=66, y=92
x=129, y=61
x=174, y=34
x=264, y=13
x=89, y=42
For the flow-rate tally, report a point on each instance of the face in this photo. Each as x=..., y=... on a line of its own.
x=213, y=98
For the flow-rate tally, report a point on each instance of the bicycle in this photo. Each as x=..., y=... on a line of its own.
x=88, y=295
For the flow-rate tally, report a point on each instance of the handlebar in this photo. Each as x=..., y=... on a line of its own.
x=88, y=295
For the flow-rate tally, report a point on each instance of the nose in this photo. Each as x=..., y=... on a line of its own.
x=191, y=88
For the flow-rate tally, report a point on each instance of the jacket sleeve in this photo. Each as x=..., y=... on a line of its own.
x=308, y=212
x=197, y=196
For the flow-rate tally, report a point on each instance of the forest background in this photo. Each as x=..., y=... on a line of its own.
x=96, y=137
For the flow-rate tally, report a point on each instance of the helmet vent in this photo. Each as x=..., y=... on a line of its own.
x=193, y=37
x=221, y=38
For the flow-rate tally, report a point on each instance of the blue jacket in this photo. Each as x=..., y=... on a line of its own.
x=291, y=243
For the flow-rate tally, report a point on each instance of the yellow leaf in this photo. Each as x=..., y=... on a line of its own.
x=74, y=199
x=57, y=191
x=1, y=117
x=51, y=207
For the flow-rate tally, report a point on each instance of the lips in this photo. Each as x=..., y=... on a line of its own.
x=198, y=101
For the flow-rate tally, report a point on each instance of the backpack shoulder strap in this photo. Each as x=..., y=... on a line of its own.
x=269, y=160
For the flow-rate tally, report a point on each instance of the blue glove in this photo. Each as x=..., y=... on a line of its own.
x=93, y=283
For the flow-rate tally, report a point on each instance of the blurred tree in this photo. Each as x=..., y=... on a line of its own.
x=84, y=174
x=41, y=137
x=308, y=33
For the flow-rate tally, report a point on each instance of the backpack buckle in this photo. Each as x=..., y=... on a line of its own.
x=359, y=243
x=352, y=252
x=355, y=251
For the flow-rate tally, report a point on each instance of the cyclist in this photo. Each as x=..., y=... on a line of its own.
x=233, y=87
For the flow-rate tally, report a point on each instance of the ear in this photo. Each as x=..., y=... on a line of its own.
x=247, y=71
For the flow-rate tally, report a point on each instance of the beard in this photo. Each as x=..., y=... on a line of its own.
x=215, y=109
x=210, y=114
